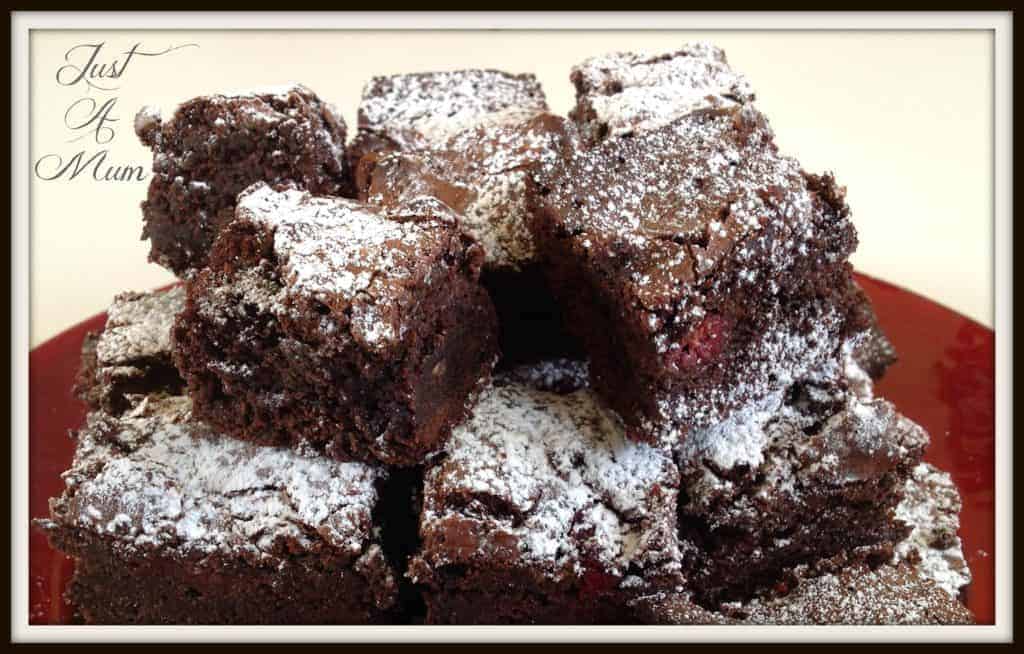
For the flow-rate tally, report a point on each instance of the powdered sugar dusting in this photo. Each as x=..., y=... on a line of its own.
x=424, y=109
x=780, y=356
x=857, y=595
x=139, y=326
x=156, y=477
x=932, y=507
x=740, y=439
x=826, y=437
x=335, y=250
x=550, y=375
x=631, y=92
x=555, y=475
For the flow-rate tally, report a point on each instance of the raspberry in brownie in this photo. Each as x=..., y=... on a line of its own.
x=701, y=269
x=215, y=146
x=627, y=92
x=542, y=512
x=325, y=322
x=132, y=355
x=170, y=522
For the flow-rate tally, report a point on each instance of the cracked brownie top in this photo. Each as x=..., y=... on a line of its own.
x=694, y=208
x=154, y=478
x=627, y=92
x=483, y=173
x=348, y=262
x=547, y=484
x=423, y=109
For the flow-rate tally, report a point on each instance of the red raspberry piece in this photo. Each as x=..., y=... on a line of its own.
x=703, y=343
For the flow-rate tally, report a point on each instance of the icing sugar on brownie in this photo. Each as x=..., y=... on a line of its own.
x=555, y=476
x=550, y=375
x=692, y=194
x=629, y=92
x=333, y=250
x=165, y=479
x=132, y=355
x=139, y=326
x=172, y=522
x=782, y=355
x=932, y=507
x=484, y=174
x=427, y=108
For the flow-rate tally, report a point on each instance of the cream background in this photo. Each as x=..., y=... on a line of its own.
x=903, y=118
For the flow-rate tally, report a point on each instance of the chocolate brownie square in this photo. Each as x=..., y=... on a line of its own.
x=132, y=355
x=215, y=146
x=802, y=475
x=627, y=92
x=170, y=522
x=327, y=323
x=479, y=162
x=701, y=269
x=542, y=512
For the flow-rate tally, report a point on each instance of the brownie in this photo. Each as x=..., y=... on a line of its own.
x=169, y=522
x=480, y=163
x=628, y=92
x=410, y=112
x=323, y=322
x=542, y=512
x=132, y=356
x=701, y=269
x=803, y=475
x=855, y=595
x=919, y=585
x=215, y=146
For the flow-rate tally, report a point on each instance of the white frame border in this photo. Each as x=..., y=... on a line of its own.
x=998, y=22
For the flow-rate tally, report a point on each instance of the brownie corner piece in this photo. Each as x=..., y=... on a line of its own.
x=542, y=512
x=699, y=267
x=326, y=322
x=170, y=522
x=216, y=145
x=627, y=92
x=132, y=355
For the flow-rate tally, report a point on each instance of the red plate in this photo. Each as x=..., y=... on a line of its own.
x=945, y=380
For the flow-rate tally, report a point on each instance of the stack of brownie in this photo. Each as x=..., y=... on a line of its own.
x=485, y=364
